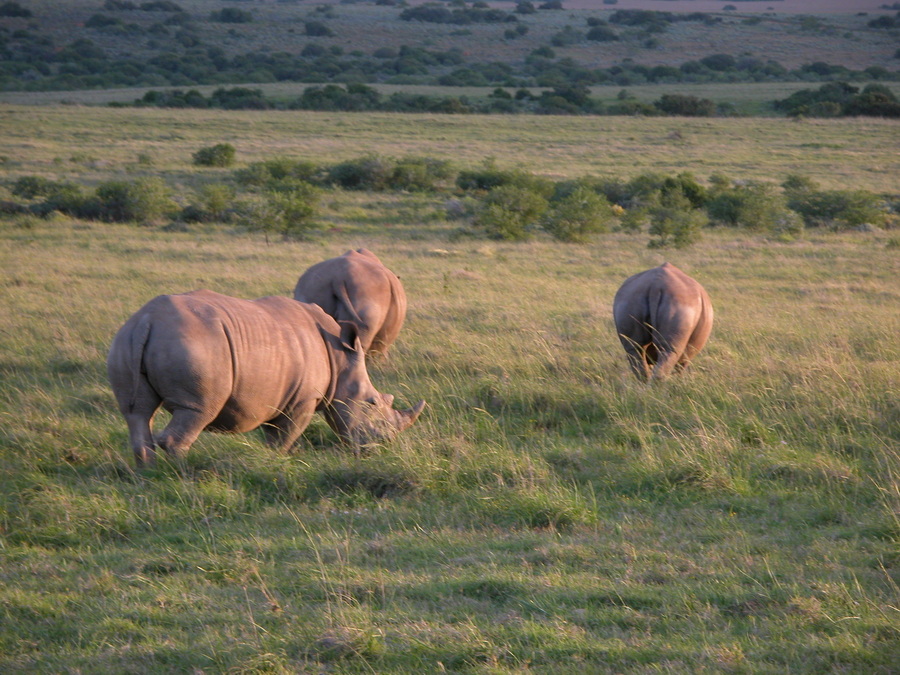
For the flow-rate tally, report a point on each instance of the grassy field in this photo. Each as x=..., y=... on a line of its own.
x=548, y=513
x=90, y=144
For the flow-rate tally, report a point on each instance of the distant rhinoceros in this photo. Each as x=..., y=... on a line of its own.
x=356, y=288
x=663, y=318
x=225, y=364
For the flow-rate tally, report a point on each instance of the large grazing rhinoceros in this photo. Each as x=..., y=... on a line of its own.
x=225, y=364
x=356, y=288
x=663, y=318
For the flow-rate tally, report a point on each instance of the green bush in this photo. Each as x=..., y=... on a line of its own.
x=751, y=204
x=288, y=212
x=509, y=212
x=29, y=187
x=220, y=155
x=231, y=15
x=317, y=29
x=144, y=200
x=366, y=173
x=674, y=222
x=689, y=106
x=490, y=177
x=577, y=215
x=260, y=174
x=69, y=198
x=14, y=9
x=213, y=203
x=838, y=209
x=420, y=174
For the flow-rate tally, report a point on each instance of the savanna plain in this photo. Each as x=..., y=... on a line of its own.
x=548, y=513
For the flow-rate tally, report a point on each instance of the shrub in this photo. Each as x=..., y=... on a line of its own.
x=689, y=106
x=509, y=211
x=837, y=208
x=288, y=212
x=69, y=198
x=231, y=15
x=213, y=204
x=839, y=98
x=419, y=173
x=752, y=204
x=366, y=173
x=602, y=34
x=355, y=97
x=239, y=98
x=102, y=21
x=673, y=222
x=270, y=171
x=220, y=155
x=14, y=9
x=581, y=213
x=144, y=200
x=29, y=187
x=875, y=100
x=318, y=29
x=491, y=177
x=719, y=62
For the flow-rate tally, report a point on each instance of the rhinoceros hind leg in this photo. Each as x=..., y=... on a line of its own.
x=637, y=358
x=141, y=439
x=182, y=430
x=667, y=363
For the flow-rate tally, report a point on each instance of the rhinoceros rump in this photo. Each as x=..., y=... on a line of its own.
x=358, y=289
x=663, y=318
x=231, y=365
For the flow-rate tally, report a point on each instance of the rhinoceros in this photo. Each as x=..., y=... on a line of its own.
x=663, y=318
x=226, y=364
x=356, y=288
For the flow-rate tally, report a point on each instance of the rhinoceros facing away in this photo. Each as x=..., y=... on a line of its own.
x=358, y=289
x=663, y=318
x=225, y=364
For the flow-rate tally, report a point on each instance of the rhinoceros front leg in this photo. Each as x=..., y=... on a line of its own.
x=283, y=431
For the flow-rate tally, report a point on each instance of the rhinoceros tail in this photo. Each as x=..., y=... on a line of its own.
x=139, y=338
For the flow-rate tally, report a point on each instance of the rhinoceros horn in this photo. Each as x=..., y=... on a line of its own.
x=406, y=418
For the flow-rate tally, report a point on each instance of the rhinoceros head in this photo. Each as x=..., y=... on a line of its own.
x=358, y=412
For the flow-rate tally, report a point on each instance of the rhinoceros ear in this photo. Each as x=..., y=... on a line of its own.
x=350, y=336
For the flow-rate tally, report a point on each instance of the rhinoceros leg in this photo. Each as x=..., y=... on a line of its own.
x=182, y=430
x=283, y=431
x=636, y=342
x=138, y=407
x=671, y=342
x=637, y=359
x=140, y=438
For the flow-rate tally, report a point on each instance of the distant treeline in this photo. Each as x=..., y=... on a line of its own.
x=32, y=61
x=830, y=100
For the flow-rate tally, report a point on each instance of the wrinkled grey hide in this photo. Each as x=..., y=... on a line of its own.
x=663, y=318
x=357, y=288
x=225, y=364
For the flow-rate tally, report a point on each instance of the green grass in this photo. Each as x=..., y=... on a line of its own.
x=547, y=513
